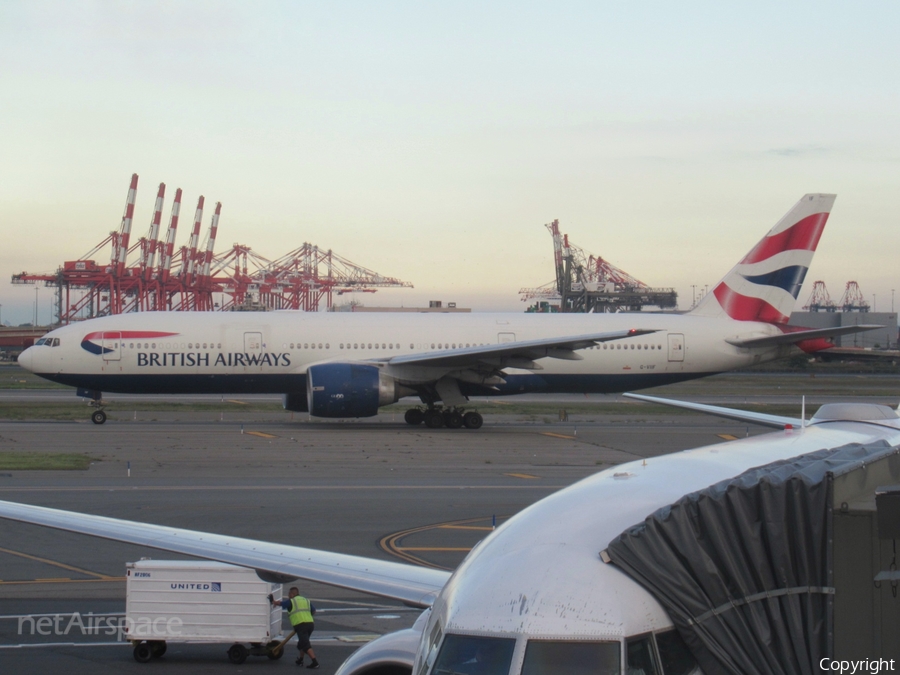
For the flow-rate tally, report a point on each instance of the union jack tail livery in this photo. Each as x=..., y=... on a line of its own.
x=764, y=285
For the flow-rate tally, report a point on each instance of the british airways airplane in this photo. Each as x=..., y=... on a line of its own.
x=551, y=591
x=348, y=365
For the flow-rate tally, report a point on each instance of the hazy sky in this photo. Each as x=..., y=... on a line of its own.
x=431, y=141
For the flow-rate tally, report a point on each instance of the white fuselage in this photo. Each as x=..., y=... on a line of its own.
x=269, y=352
x=540, y=576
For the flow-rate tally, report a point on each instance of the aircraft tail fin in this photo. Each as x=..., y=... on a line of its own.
x=764, y=285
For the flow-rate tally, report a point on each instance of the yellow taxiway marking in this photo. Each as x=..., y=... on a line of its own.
x=465, y=527
x=261, y=434
x=234, y=400
x=727, y=437
x=55, y=564
x=548, y=433
x=434, y=548
x=526, y=476
x=392, y=543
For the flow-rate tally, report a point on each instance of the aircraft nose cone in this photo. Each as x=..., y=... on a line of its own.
x=26, y=358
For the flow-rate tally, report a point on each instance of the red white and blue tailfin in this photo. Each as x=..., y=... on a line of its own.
x=764, y=285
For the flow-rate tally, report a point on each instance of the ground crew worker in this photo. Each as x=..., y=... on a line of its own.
x=300, y=612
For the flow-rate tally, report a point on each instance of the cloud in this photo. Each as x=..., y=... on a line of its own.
x=801, y=151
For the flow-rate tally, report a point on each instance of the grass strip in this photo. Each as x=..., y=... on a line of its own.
x=29, y=461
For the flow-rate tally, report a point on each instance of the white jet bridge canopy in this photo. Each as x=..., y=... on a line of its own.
x=745, y=567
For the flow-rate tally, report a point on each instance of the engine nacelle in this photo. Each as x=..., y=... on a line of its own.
x=349, y=390
x=391, y=654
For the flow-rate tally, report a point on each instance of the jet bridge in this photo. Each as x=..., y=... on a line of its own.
x=780, y=567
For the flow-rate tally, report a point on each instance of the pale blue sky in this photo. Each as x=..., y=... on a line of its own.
x=432, y=141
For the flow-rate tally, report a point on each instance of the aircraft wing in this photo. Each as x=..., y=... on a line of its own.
x=524, y=350
x=800, y=335
x=741, y=415
x=415, y=586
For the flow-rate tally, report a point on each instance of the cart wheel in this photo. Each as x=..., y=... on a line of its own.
x=237, y=654
x=158, y=648
x=272, y=652
x=142, y=652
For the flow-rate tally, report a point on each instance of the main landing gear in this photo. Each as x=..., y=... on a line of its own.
x=452, y=418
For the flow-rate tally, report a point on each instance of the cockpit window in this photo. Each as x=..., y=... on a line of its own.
x=468, y=655
x=554, y=657
x=434, y=641
x=639, y=657
x=55, y=342
x=40, y=342
x=674, y=655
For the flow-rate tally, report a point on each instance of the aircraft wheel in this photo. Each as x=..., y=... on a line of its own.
x=434, y=419
x=142, y=652
x=414, y=416
x=237, y=654
x=473, y=420
x=158, y=648
x=98, y=417
x=453, y=420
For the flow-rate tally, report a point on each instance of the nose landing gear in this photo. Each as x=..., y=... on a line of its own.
x=98, y=416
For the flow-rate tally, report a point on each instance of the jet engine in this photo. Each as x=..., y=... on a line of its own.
x=391, y=654
x=350, y=390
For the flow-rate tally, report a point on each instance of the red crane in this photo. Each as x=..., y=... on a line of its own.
x=302, y=279
x=819, y=299
x=586, y=283
x=853, y=299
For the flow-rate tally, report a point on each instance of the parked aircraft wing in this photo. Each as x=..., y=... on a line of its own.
x=415, y=586
x=554, y=348
x=742, y=415
x=800, y=335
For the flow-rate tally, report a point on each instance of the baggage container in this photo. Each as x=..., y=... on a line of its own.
x=169, y=601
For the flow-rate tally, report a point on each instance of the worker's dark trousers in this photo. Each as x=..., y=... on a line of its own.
x=304, y=630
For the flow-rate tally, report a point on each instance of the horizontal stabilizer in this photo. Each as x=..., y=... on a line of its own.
x=742, y=415
x=415, y=586
x=801, y=335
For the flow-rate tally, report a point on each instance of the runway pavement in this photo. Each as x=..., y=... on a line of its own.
x=374, y=488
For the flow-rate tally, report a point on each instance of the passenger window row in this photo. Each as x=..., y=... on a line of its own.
x=174, y=345
x=618, y=345
x=367, y=345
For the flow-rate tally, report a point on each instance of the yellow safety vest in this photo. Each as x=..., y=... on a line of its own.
x=300, y=611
